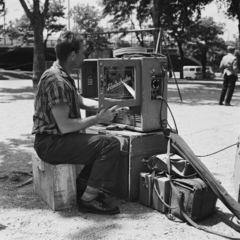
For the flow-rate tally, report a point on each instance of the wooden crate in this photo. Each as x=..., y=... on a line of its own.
x=236, y=175
x=134, y=147
x=55, y=184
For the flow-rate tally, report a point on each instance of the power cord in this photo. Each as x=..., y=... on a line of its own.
x=163, y=100
x=171, y=114
x=219, y=150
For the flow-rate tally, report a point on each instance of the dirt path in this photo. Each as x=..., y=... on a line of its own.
x=203, y=124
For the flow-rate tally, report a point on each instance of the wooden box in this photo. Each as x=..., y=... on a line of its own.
x=134, y=147
x=55, y=184
x=236, y=175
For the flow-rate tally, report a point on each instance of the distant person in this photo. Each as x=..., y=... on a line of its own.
x=229, y=67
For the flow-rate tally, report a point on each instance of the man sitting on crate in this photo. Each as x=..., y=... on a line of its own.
x=57, y=123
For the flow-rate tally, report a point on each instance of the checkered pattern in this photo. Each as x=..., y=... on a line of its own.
x=55, y=86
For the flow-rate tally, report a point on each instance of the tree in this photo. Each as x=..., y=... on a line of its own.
x=22, y=31
x=233, y=10
x=174, y=16
x=3, y=12
x=37, y=17
x=56, y=11
x=86, y=20
x=123, y=12
x=2, y=7
x=205, y=39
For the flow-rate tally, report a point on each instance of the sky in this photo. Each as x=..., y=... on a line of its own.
x=15, y=10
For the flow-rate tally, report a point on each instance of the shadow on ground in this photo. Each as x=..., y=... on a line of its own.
x=17, y=90
x=199, y=94
x=7, y=95
x=9, y=75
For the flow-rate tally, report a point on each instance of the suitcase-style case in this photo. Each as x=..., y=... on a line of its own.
x=145, y=197
x=162, y=185
x=198, y=200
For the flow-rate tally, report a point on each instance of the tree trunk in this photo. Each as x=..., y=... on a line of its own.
x=204, y=62
x=181, y=57
x=39, y=57
x=239, y=36
x=156, y=19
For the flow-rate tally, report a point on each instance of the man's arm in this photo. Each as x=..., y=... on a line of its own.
x=235, y=66
x=65, y=124
x=222, y=65
x=87, y=103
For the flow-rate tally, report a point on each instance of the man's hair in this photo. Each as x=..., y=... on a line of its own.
x=67, y=42
x=231, y=49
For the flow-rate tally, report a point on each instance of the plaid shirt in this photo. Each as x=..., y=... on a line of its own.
x=55, y=86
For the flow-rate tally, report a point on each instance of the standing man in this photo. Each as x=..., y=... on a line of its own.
x=57, y=124
x=229, y=68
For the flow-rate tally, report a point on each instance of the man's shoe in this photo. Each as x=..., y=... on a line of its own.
x=220, y=103
x=228, y=104
x=97, y=206
x=101, y=195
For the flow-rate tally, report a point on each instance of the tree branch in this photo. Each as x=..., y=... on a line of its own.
x=26, y=9
x=45, y=10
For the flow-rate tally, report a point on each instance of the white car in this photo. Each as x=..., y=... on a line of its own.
x=195, y=72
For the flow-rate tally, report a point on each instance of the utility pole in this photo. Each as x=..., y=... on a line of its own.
x=4, y=20
x=68, y=15
x=4, y=30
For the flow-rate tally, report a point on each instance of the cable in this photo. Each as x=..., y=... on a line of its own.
x=219, y=150
x=165, y=103
x=162, y=93
x=171, y=114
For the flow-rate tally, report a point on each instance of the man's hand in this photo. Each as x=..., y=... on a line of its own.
x=107, y=115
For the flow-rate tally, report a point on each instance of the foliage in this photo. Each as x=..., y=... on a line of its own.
x=205, y=43
x=3, y=12
x=174, y=16
x=42, y=15
x=22, y=31
x=232, y=6
x=123, y=13
x=86, y=21
x=2, y=7
x=56, y=11
x=233, y=10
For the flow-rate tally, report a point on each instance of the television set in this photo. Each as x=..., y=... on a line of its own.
x=139, y=83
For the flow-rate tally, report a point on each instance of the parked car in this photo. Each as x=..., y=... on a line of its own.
x=195, y=72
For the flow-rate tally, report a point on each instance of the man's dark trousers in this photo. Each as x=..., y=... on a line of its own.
x=228, y=87
x=98, y=153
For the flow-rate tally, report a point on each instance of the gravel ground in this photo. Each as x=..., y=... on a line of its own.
x=202, y=123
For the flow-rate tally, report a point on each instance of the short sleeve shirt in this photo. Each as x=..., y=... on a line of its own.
x=229, y=64
x=55, y=86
